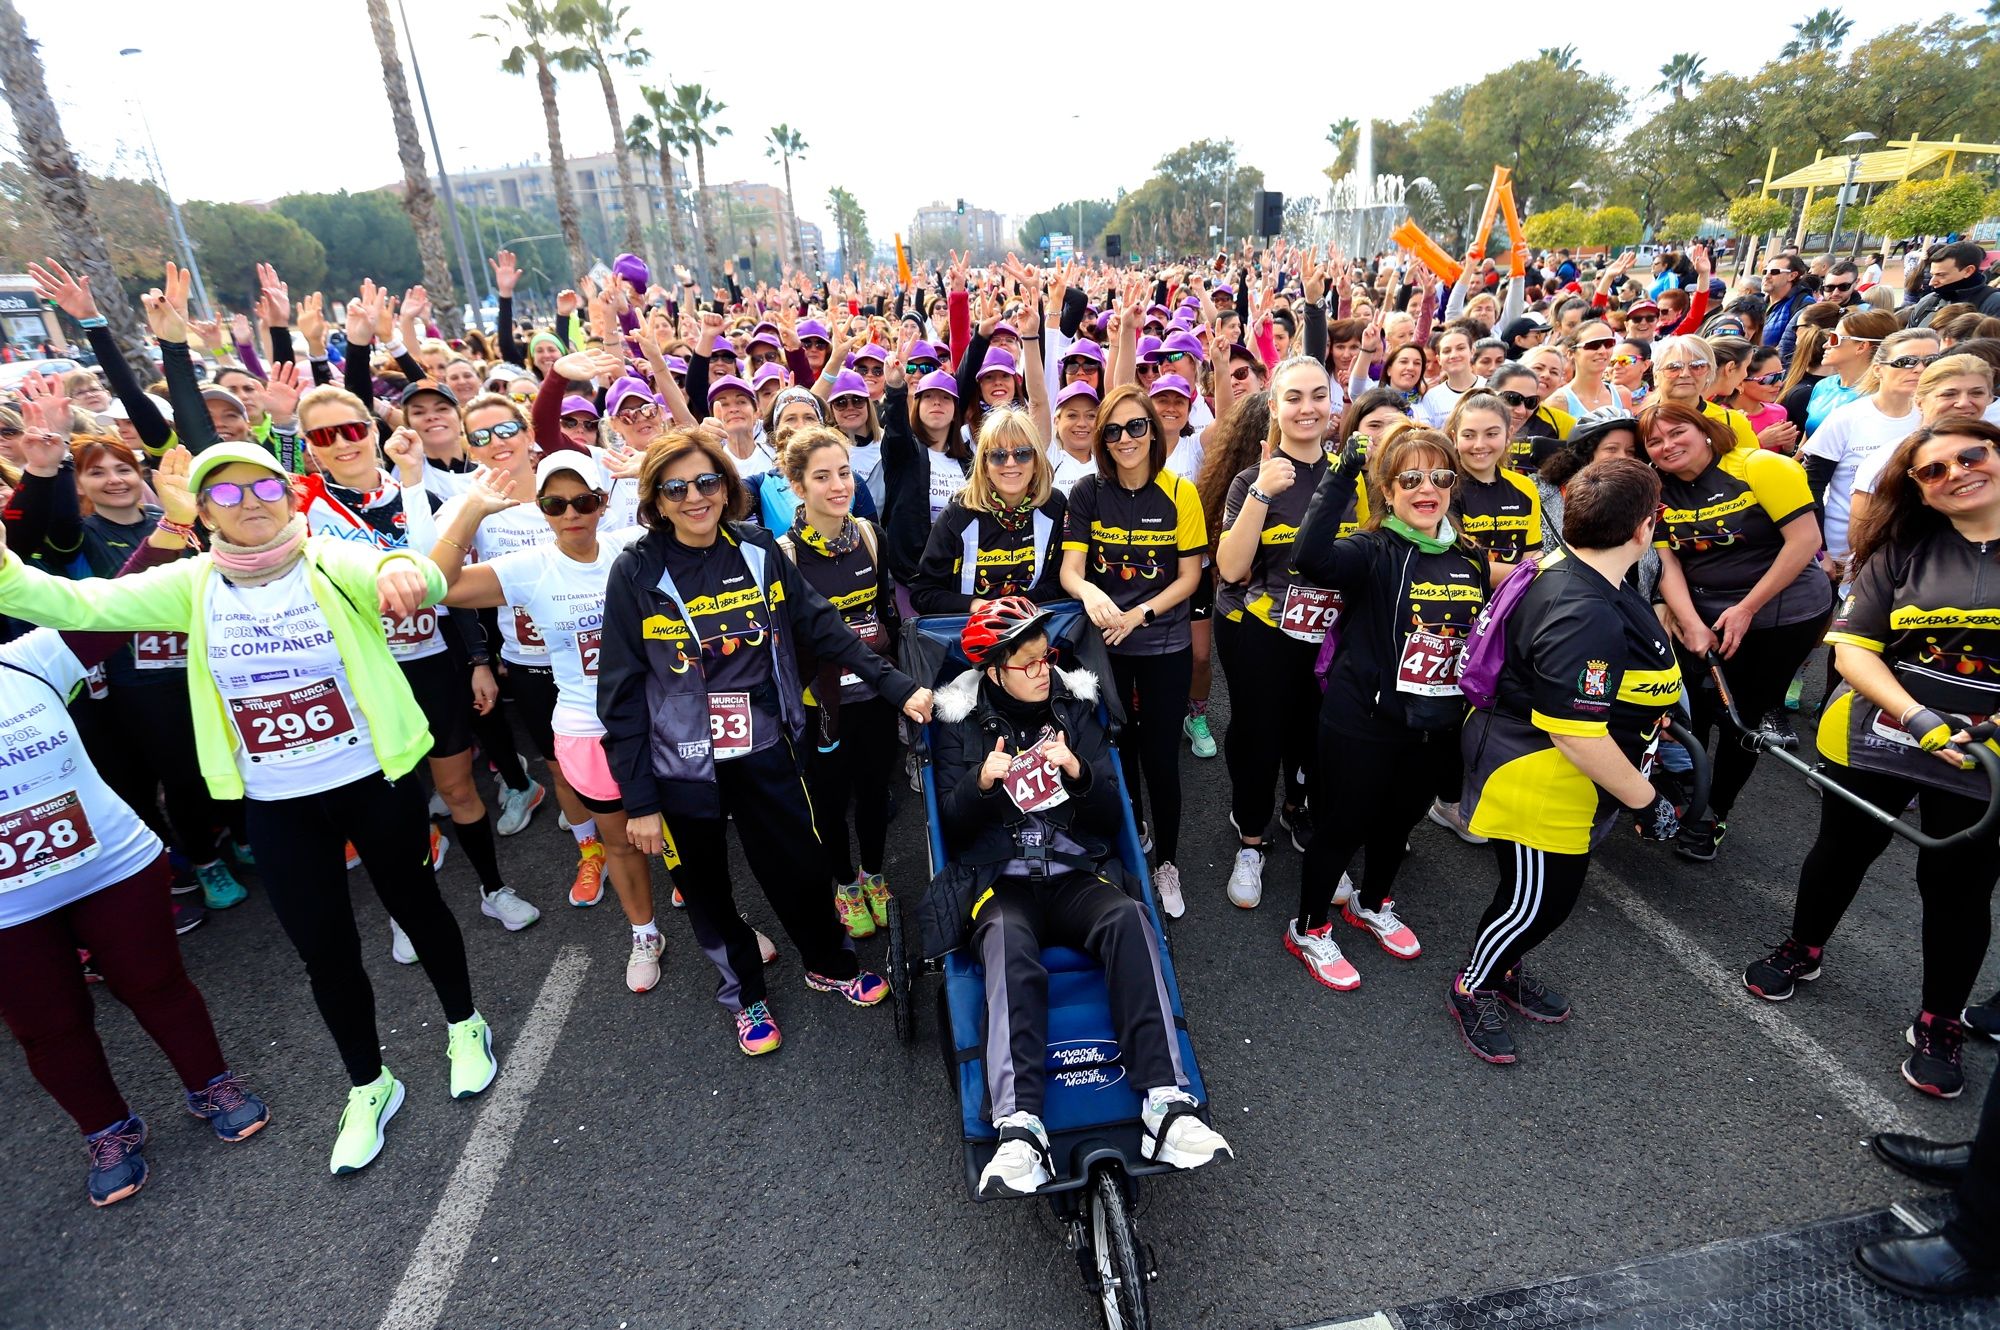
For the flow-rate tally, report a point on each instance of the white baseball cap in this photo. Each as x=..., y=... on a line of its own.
x=582, y=465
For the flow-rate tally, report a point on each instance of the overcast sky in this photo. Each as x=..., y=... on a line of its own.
x=255, y=100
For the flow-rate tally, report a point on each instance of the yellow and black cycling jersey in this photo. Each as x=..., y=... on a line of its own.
x=1503, y=515
x=1133, y=542
x=1584, y=658
x=986, y=555
x=1726, y=526
x=1265, y=593
x=1932, y=611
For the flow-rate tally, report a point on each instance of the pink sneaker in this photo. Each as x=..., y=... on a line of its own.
x=1320, y=954
x=863, y=990
x=1394, y=935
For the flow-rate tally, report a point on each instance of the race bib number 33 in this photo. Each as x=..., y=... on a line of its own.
x=298, y=722
x=729, y=725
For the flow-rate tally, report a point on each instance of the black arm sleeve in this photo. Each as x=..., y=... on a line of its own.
x=1819, y=474
x=696, y=388
x=281, y=347
x=43, y=516
x=191, y=420
x=356, y=376
x=1318, y=551
x=1315, y=332
x=154, y=431
x=968, y=368
x=1075, y=301
x=510, y=350
x=413, y=369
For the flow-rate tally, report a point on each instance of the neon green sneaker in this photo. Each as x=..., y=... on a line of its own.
x=1792, y=693
x=469, y=1045
x=876, y=888
x=369, y=1108
x=852, y=907
x=1195, y=727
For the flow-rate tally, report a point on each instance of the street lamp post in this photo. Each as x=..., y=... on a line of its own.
x=1470, y=205
x=173, y=208
x=1854, y=142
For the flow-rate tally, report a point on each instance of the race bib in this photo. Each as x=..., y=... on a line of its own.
x=411, y=633
x=160, y=651
x=97, y=682
x=525, y=632
x=868, y=628
x=1032, y=781
x=729, y=725
x=589, y=647
x=42, y=839
x=1308, y=612
x=1429, y=666
x=299, y=722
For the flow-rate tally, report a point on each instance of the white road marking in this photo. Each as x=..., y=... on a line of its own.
x=420, y=1296
x=1376, y=1322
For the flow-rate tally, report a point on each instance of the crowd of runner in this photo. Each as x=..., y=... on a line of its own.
x=281, y=607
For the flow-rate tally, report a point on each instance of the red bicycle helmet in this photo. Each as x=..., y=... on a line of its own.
x=999, y=624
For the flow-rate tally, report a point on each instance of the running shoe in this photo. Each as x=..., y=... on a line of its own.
x=438, y=847
x=1320, y=954
x=1020, y=1167
x=1195, y=727
x=1174, y=1136
x=1937, y=1066
x=354, y=856
x=1167, y=886
x=469, y=1047
x=517, y=807
x=863, y=990
x=1447, y=816
x=1701, y=841
x=1344, y=893
x=588, y=889
x=219, y=887
x=876, y=889
x=1531, y=997
x=767, y=950
x=229, y=1108
x=1145, y=839
x=1794, y=692
x=117, y=1161
x=1775, y=730
x=562, y=822
x=916, y=770
x=243, y=853
x=363, y=1123
x=1246, y=880
x=1778, y=975
x=439, y=808
x=851, y=908
x=1984, y=1019
x=1480, y=1023
x=189, y=915
x=508, y=908
x=679, y=901
x=401, y=949
x=1298, y=823
x=756, y=1030
x=1394, y=935
x=185, y=882
x=642, y=971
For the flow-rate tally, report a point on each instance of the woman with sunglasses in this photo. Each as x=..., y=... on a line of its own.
x=1535, y=430
x=1410, y=588
x=1848, y=358
x=321, y=758
x=1916, y=649
x=1001, y=535
x=925, y=461
x=1756, y=396
x=1956, y=386
x=700, y=694
x=1132, y=553
x=1590, y=386
x=1739, y=543
x=1685, y=369
x=1632, y=369
x=1852, y=435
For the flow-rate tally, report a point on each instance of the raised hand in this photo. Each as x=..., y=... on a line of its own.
x=488, y=492
x=595, y=363
x=71, y=295
x=282, y=393
x=385, y=319
x=162, y=318
x=417, y=307
x=505, y=272
x=406, y=450
x=312, y=322
x=170, y=482
x=45, y=404
x=274, y=306
x=239, y=329
x=205, y=334
x=363, y=312
x=994, y=769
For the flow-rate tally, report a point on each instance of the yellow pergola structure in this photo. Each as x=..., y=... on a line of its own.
x=1894, y=164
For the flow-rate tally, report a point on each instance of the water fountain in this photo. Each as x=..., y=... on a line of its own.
x=1362, y=208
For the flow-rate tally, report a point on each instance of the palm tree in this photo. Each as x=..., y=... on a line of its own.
x=1336, y=134
x=1824, y=30
x=1685, y=70
x=419, y=199
x=602, y=42
x=851, y=222
x=527, y=28
x=690, y=114
x=657, y=123
x=784, y=142
x=1562, y=57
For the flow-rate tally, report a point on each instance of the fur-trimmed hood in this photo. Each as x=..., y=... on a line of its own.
x=955, y=701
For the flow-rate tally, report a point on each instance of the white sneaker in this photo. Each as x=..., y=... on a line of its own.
x=1167, y=885
x=1395, y=936
x=1188, y=1141
x=401, y=949
x=643, y=970
x=1322, y=957
x=1145, y=839
x=562, y=821
x=438, y=806
x=767, y=949
x=1246, y=880
x=1343, y=893
x=517, y=806
x=1447, y=816
x=509, y=909
x=1017, y=1167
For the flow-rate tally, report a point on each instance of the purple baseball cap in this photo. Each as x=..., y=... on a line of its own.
x=1184, y=341
x=676, y=365
x=870, y=352
x=1171, y=383
x=766, y=373
x=997, y=362
x=626, y=389
x=1075, y=390
x=814, y=328
x=847, y=384
x=1225, y=289
x=1104, y=322
x=730, y=383
x=575, y=405
x=761, y=337
x=939, y=381
x=1005, y=327
x=1084, y=349
x=1147, y=346
x=1160, y=310
x=922, y=350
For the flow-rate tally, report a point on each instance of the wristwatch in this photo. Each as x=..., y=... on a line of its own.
x=1150, y=616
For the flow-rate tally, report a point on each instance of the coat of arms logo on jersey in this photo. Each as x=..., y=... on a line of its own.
x=1592, y=682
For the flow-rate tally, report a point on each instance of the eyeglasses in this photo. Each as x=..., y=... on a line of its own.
x=1771, y=380
x=1836, y=288
x=506, y=429
x=1777, y=272
x=919, y=368
x=815, y=342
x=1010, y=457
x=1145, y=369
x=1914, y=362
x=1834, y=339
x=1442, y=477
x=11, y=431
x=579, y=422
x=1136, y=428
x=1965, y=459
x=1624, y=359
x=855, y=400
x=227, y=494
x=1034, y=669
x=1685, y=367
x=1650, y=317
x=1519, y=400
x=1597, y=344
x=1240, y=373
x=1081, y=365
x=707, y=484
x=868, y=369
x=768, y=358
x=521, y=395
x=630, y=414
x=555, y=505
x=1171, y=357
x=350, y=431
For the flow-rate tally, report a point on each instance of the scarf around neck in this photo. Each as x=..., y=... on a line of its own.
x=255, y=565
x=841, y=542
x=1438, y=544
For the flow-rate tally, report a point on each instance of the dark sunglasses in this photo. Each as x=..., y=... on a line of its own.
x=580, y=422
x=1442, y=477
x=643, y=411
x=506, y=429
x=1644, y=317
x=1145, y=367
x=767, y=358
x=350, y=431
x=707, y=484
x=868, y=369
x=1771, y=380
x=1836, y=288
x=11, y=431
x=1240, y=373
x=1136, y=428
x=1016, y=456
x=1965, y=459
x=820, y=342
x=1517, y=400
x=1597, y=344
x=1081, y=365
x=1914, y=362
x=555, y=505
x=919, y=368
x=1172, y=357
x=227, y=494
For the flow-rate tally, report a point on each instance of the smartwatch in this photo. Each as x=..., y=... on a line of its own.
x=1150, y=616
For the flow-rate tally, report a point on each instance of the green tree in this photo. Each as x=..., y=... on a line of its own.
x=419, y=200
x=1823, y=30
x=782, y=143
x=361, y=235
x=1678, y=228
x=1563, y=227
x=656, y=124
x=527, y=30
x=1682, y=71
x=693, y=116
x=850, y=223
x=1344, y=134
x=1563, y=58
x=131, y=215
x=1613, y=227
x=232, y=238
x=1172, y=209
x=1928, y=207
x=1820, y=217
x=1062, y=217
x=603, y=41
x=1752, y=215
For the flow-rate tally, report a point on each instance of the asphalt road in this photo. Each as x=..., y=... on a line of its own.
x=654, y=1177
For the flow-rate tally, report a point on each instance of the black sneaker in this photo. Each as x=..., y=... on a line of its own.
x=1299, y=823
x=1775, y=730
x=188, y=914
x=1531, y=997
x=1700, y=841
x=1480, y=1023
x=1776, y=976
x=1984, y=1019
x=1936, y=1067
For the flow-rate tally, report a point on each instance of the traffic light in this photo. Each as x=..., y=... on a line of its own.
x=961, y=207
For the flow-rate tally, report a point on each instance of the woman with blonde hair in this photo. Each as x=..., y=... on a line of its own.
x=1002, y=534
x=1685, y=368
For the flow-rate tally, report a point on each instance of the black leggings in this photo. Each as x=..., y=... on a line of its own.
x=141, y=738
x=1955, y=885
x=857, y=771
x=1154, y=691
x=1537, y=891
x=1759, y=673
x=303, y=868
x=1370, y=793
x=1271, y=686
x=1975, y=1230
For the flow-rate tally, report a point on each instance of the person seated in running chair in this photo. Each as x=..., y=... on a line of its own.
x=1028, y=796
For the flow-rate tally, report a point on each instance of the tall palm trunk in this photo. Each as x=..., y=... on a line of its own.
x=572, y=228
x=705, y=209
x=675, y=231
x=792, y=227
x=419, y=199
x=628, y=193
x=59, y=185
